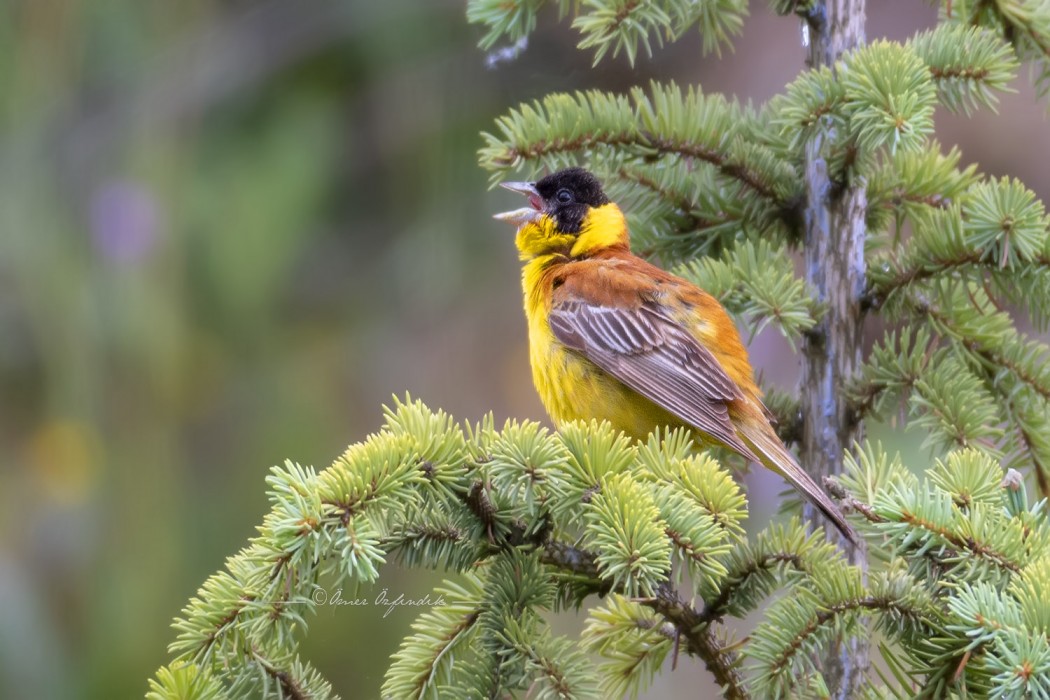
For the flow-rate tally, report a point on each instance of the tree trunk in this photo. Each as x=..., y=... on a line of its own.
x=834, y=258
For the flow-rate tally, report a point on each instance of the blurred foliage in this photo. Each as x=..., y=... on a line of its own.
x=207, y=210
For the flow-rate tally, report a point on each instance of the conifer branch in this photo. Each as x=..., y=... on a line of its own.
x=894, y=364
x=714, y=610
x=242, y=625
x=934, y=201
x=978, y=382
x=573, y=559
x=757, y=282
x=968, y=64
x=720, y=159
x=289, y=685
x=688, y=623
x=852, y=503
x=481, y=506
x=828, y=613
x=665, y=124
x=691, y=221
x=992, y=357
x=700, y=641
x=882, y=287
x=440, y=632
x=957, y=72
x=960, y=543
x=619, y=26
x=644, y=141
x=919, y=271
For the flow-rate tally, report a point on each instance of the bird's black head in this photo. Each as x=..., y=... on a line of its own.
x=567, y=194
x=568, y=215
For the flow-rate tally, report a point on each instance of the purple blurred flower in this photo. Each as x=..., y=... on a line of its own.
x=124, y=222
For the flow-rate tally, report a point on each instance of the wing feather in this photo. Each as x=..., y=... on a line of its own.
x=655, y=356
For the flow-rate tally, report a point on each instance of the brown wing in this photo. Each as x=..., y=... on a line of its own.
x=656, y=357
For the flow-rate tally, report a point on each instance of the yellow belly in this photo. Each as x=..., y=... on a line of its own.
x=574, y=388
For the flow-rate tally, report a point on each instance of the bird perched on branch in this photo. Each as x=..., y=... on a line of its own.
x=614, y=337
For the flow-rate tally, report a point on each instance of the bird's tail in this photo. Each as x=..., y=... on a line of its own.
x=764, y=442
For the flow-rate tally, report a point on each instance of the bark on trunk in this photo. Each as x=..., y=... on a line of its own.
x=834, y=258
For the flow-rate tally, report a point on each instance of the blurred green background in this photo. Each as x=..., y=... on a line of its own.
x=229, y=231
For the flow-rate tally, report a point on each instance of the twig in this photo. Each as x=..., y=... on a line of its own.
x=688, y=622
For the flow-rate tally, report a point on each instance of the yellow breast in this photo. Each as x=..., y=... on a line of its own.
x=570, y=386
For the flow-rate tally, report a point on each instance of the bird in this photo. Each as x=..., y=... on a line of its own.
x=613, y=337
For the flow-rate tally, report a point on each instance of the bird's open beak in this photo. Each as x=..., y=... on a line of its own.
x=518, y=217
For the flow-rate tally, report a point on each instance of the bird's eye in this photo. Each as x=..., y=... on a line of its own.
x=564, y=197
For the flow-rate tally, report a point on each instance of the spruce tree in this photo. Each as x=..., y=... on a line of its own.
x=646, y=539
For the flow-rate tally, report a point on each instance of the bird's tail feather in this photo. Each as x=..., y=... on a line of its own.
x=774, y=455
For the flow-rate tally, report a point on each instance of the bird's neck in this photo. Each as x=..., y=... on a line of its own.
x=604, y=228
x=602, y=233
